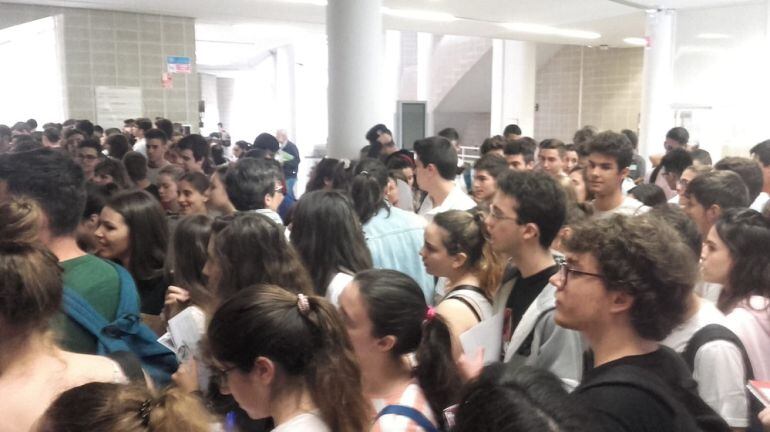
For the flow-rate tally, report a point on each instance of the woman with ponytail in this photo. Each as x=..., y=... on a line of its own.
x=394, y=236
x=286, y=356
x=388, y=319
x=455, y=249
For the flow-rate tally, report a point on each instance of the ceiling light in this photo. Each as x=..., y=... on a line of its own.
x=308, y=2
x=635, y=41
x=552, y=31
x=713, y=36
x=419, y=14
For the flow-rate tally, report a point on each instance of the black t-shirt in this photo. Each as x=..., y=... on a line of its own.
x=153, y=190
x=525, y=291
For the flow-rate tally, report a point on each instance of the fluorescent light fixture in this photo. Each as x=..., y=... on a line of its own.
x=635, y=41
x=419, y=14
x=308, y=2
x=713, y=36
x=551, y=31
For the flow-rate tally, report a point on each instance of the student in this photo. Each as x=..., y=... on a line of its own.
x=512, y=132
x=735, y=255
x=673, y=165
x=34, y=369
x=193, y=193
x=750, y=172
x=113, y=407
x=133, y=232
x=88, y=153
x=111, y=171
x=579, y=179
x=256, y=185
x=157, y=146
x=648, y=194
x=393, y=236
x=676, y=138
x=328, y=237
x=625, y=286
x=570, y=159
x=96, y=198
x=387, y=318
x=187, y=255
x=247, y=249
x=485, y=172
x=525, y=217
x=688, y=174
x=761, y=153
x=287, y=356
x=550, y=156
x=117, y=146
x=494, y=144
x=724, y=392
x=329, y=174
x=709, y=195
x=436, y=161
x=240, y=149
x=519, y=155
x=194, y=154
x=638, y=167
x=136, y=169
x=168, y=190
x=218, y=201
x=455, y=249
x=609, y=155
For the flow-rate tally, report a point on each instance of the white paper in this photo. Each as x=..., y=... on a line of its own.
x=185, y=331
x=487, y=335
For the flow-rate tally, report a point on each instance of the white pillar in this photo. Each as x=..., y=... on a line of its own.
x=657, y=82
x=354, y=32
x=513, y=86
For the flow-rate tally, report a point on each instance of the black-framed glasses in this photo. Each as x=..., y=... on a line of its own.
x=565, y=270
x=496, y=214
x=223, y=373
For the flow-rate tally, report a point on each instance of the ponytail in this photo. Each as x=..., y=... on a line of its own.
x=368, y=188
x=490, y=266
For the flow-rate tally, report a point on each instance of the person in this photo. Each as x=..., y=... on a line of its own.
x=734, y=255
x=525, y=217
x=240, y=149
x=486, y=170
x=550, y=156
x=724, y=392
x=117, y=146
x=676, y=138
x=609, y=155
x=52, y=137
x=673, y=165
x=328, y=174
x=751, y=174
x=579, y=178
x=519, y=155
x=436, y=161
x=133, y=232
x=194, y=154
x=638, y=167
x=494, y=144
x=700, y=157
x=761, y=153
x=256, y=185
x=710, y=194
x=624, y=286
x=584, y=135
x=193, y=193
x=88, y=153
x=111, y=171
x=512, y=132
x=168, y=191
x=387, y=318
x=328, y=236
x=290, y=159
x=34, y=369
x=570, y=159
x=266, y=143
x=246, y=249
x=115, y=407
x=157, y=146
x=136, y=169
x=529, y=400
x=650, y=195
x=688, y=174
x=218, y=201
x=56, y=183
x=455, y=249
x=140, y=127
x=96, y=197
x=287, y=356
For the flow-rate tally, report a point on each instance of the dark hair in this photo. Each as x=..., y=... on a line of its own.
x=312, y=349
x=328, y=236
x=143, y=123
x=199, y=181
x=439, y=152
x=749, y=170
x=156, y=134
x=32, y=123
x=218, y=154
x=91, y=143
x=526, y=399
x=613, y=145
x=520, y=147
x=494, y=164
x=186, y=257
x=450, y=134
x=584, y=135
x=553, y=144
x=722, y=188
x=199, y=148
x=115, y=169
x=645, y=259
x=96, y=198
x=746, y=234
x=267, y=142
x=337, y=171
x=496, y=142
x=5, y=131
x=118, y=407
x=650, y=195
x=539, y=200
x=53, y=180
x=396, y=307
x=701, y=156
x=24, y=143
x=633, y=138
x=678, y=134
x=98, y=130
x=252, y=249
x=676, y=218
x=117, y=146
x=368, y=189
x=243, y=145
x=163, y=125
x=86, y=127
x=147, y=231
x=512, y=129
x=762, y=152
x=52, y=134
x=249, y=180
x=136, y=166
x=375, y=131
x=676, y=161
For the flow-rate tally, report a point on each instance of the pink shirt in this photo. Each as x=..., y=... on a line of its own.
x=750, y=320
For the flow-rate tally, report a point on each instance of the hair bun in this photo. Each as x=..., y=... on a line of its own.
x=19, y=221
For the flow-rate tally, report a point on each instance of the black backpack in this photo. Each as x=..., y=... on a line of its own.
x=715, y=332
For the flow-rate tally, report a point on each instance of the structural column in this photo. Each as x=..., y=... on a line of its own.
x=514, y=67
x=354, y=32
x=657, y=82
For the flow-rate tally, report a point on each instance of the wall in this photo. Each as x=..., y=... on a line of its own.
x=609, y=96
x=103, y=48
x=472, y=127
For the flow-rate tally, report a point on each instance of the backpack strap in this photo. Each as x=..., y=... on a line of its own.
x=80, y=311
x=711, y=333
x=129, y=297
x=410, y=413
x=467, y=303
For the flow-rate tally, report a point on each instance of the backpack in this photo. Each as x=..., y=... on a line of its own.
x=715, y=332
x=126, y=333
x=691, y=414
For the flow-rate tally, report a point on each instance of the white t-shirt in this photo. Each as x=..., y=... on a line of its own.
x=629, y=207
x=456, y=200
x=305, y=422
x=141, y=146
x=718, y=366
x=336, y=286
x=709, y=291
x=760, y=201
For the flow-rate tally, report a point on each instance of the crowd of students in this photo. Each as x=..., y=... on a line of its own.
x=157, y=280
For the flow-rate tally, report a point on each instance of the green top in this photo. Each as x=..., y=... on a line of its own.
x=98, y=283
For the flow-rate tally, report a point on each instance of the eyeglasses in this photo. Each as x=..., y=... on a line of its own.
x=565, y=270
x=223, y=373
x=280, y=187
x=496, y=214
x=683, y=183
x=89, y=158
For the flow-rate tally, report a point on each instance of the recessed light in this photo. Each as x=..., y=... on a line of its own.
x=636, y=41
x=419, y=14
x=713, y=36
x=552, y=31
x=308, y=2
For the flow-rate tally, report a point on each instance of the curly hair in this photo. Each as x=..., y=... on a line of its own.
x=645, y=259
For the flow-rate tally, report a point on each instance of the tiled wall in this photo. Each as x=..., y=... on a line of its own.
x=103, y=48
x=612, y=88
x=472, y=127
